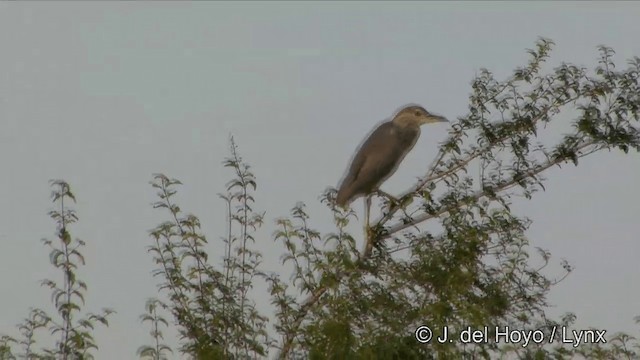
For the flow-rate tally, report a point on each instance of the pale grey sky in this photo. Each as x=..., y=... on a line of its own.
x=105, y=94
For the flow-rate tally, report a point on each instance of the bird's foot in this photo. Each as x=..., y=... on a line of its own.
x=390, y=198
x=375, y=232
x=394, y=203
x=371, y=233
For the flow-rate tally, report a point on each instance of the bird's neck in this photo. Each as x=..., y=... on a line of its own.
x=406, y=132
x=406, y=122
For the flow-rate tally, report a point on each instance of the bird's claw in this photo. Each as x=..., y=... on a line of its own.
x=370, y=232
x=402, y=202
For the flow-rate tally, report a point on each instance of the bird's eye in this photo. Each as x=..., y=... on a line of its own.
x=418, y=113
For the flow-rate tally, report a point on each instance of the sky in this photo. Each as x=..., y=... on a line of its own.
x=103, y=95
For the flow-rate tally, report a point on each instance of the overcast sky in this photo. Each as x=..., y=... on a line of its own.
x=104, y=95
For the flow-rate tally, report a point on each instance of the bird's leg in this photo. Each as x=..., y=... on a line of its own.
x=367, y=209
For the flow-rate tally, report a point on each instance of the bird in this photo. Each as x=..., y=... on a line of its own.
x=381, y=153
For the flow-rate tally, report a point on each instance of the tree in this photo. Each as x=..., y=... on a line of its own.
x=472, y=268
x=455, y=256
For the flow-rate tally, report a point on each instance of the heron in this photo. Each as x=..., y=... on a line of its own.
x=380, y=155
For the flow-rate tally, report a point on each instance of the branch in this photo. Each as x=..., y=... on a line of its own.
x=431, y=176
x=478, y=194
x=302, y=312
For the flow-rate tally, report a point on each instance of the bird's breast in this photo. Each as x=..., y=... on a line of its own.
x=407, y=135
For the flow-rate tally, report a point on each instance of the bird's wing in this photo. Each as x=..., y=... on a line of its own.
x=374, y=162
x=384, y=153
x=373, y=148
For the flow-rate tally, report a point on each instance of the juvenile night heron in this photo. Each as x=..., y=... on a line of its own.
x=380, y=155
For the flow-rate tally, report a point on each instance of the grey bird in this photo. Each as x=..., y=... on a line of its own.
x=380, y=155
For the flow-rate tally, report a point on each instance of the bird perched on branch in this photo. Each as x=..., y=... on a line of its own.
x=380, y=155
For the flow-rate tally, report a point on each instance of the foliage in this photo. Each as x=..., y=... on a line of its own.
x=211, y=306
x=158, y=349
x=74, y=330
x=457, y=255
x=474, y=269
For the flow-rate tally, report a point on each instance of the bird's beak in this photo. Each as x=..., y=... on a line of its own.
x=438, y=118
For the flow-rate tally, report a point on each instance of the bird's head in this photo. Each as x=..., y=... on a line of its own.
x=415, y=116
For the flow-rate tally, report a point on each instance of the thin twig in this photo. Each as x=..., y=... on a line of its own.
x=478, y=194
